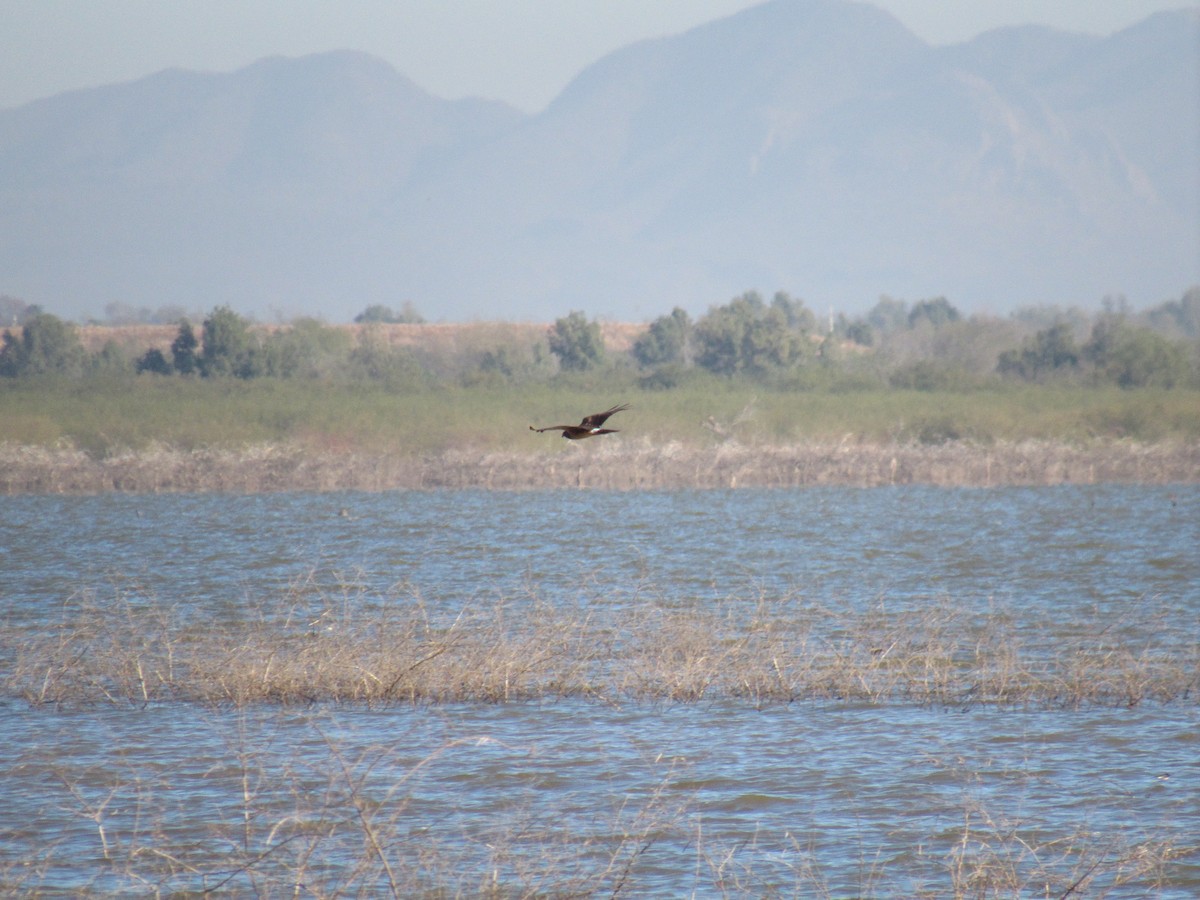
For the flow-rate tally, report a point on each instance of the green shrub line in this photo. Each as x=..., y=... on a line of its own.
x=928, y=346
x=310, y=406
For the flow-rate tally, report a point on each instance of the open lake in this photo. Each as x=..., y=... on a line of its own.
x=724, y=795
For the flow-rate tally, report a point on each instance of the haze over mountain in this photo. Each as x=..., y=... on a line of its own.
x=813, y=146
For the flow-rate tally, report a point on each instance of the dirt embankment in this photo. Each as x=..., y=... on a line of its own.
x=264, y=468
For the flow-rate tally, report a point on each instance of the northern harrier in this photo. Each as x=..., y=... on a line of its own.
x=585, y=429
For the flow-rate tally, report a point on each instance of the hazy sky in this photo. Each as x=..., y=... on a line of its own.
x=521, y=51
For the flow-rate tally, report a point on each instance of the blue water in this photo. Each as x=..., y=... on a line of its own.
x=720, y=798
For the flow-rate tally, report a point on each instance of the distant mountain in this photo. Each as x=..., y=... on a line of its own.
x=814, y=146
x=200, y=189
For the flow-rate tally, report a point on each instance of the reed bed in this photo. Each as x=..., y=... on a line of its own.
x=630, y=466
x=165, y=434
x=766, y=651
x=342, y=820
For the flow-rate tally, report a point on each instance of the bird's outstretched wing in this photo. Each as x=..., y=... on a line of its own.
x=595, y=420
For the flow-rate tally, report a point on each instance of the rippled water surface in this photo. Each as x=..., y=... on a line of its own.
x=705, y=799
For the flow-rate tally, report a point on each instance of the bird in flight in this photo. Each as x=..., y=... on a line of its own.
x=588, y=427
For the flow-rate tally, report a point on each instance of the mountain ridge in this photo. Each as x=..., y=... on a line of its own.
x=816, y=147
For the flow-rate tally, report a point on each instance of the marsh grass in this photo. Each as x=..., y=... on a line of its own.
x=334, y=822
x=158, y=434
x=1000, y=857
x=979, y=859
x=108, y=416
x=351, y=820
x=315, y=645
x=343, y=819
x=633, y=465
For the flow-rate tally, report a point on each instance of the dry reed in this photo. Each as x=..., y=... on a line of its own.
x=758, y=651
x=347, y=820
x=628, y=466
x=342, y=822
x=336, y=822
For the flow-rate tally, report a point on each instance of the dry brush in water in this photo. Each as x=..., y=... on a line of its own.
x=349, y=648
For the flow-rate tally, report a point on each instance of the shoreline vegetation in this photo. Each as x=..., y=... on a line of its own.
x=333, y=817
x=641, y=465
x=754, y=394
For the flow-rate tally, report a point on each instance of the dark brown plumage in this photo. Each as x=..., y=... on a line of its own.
x=587, y=428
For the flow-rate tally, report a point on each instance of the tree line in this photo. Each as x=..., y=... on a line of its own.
x=926, y=345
